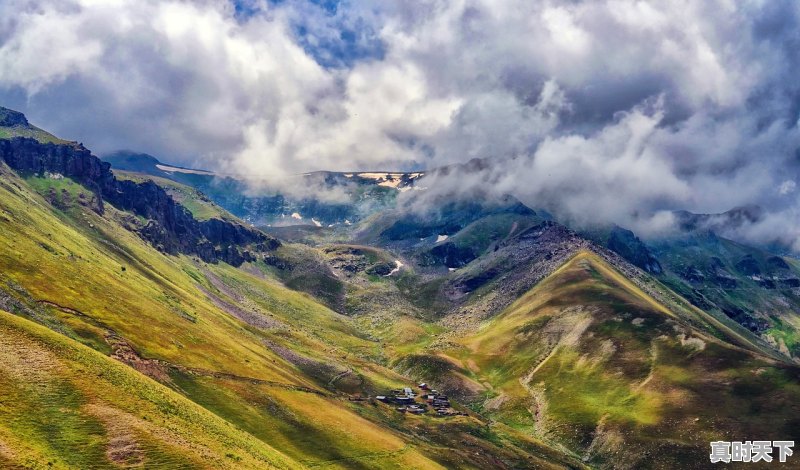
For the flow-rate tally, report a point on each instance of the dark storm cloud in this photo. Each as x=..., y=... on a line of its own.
x=614, y=110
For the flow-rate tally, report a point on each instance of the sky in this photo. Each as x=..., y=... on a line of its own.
x=601, y=111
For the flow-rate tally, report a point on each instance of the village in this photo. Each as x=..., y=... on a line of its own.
x=408, y=401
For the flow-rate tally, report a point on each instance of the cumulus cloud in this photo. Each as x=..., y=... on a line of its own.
x=600, y=111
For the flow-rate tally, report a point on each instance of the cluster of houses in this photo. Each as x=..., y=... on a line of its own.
x=408, y=401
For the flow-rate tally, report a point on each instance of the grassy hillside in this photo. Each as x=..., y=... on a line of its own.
x=201, y=207
x=66, y=406
x=587, y=361
x=84, y=275
x=757, y=289
x=11, y=125
x=118, y=355
x=274, y=363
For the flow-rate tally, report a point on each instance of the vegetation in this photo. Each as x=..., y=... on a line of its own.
x=201, y=207
x=274, y=363
x=67, y=406
x=115, y=354
x=590, y=362
x=754, y=288
x=14, y=124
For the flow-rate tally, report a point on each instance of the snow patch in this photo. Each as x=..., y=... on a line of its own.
x=391, y=180
x=173, y=169
x=441, y=238
x=316, y=222
x=297, y=216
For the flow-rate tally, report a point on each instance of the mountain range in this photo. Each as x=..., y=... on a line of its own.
x=159, y=316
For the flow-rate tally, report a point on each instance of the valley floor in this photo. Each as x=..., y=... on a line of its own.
x=551, y=352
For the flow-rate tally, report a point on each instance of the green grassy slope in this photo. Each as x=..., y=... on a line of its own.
x=31, y=132
x=756, y=288
x=273, y=362
x=587, y=361
x=476, y=238
x=201, y=207
x=86, y=276
x=64, y=405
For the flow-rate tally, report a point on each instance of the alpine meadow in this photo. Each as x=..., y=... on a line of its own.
x=250, y=234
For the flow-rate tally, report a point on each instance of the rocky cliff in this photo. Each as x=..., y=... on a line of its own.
x=170, y=228
x=11, y=118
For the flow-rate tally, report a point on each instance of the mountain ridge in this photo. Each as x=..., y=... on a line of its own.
x=553, y=350
x=170, y=226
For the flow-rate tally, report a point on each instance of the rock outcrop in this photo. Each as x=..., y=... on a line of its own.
x=626, y=244
x=11, y=118
x=171, y=227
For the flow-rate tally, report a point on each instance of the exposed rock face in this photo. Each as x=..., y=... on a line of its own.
x=629, y=246
x=748, y=266
x=777, y=263
x=171, y=227
x=452, y=255
x=516, y=266
x=73, y=160
x=11, y=118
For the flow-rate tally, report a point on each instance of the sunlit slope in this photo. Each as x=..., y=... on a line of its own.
x=63, y=405
x=190, y=325
x=273, y=362
x=588, y=361
x=14, y=124
x=85, y=275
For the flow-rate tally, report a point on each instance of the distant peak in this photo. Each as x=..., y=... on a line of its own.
x=751, y=212
x=131, y=156
x=11, y=118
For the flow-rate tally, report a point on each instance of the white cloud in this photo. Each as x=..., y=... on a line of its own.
x=606, y=110
x=787, y=187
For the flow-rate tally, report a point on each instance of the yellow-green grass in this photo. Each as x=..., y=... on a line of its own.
x=309, y=273
x=31, y=132
x=586, y=360
x=77, y=263
x=316, y=430
x=64, y=405
x=44, y=185
x=154, y=303
x=84, y=275
x=322, y=337
x=90, y=264
x=409, y=335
